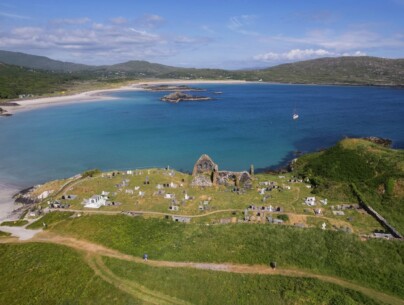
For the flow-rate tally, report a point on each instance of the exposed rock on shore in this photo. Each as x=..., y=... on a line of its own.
x=3, y=112
x=177, y=97
x=380, y=141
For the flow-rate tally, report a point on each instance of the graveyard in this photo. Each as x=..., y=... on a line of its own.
x=207, y=196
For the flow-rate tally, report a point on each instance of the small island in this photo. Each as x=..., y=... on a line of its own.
x=177, y=97
x=170, y=88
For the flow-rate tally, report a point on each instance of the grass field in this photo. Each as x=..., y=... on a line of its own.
x=209, y=287
x=53, y=274
x=49, y=274
x=4, y=234
x=49, y=219
x=377, y=172
x=375, y=263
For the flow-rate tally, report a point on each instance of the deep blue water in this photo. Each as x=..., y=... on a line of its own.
x=247, y=124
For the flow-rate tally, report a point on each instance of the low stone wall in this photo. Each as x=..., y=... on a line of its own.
x=376, y=215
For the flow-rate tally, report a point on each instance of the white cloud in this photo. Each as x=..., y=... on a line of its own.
x=119, y=20
x=73, y=21
x=299, y=54
x=150, y=21
x=241, y=24
x=13, y=16
x=346, y=41
x=97, y=43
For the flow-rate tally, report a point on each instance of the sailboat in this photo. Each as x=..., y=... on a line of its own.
x=295, y=115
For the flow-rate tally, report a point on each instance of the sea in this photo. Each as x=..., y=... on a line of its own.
x=244, y=124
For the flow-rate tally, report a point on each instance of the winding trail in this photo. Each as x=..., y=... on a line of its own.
x=93, y=254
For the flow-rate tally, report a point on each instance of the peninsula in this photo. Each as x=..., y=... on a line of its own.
x=279, y=229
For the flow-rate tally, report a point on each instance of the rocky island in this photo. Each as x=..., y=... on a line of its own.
x=170, y=88
x=177, y=97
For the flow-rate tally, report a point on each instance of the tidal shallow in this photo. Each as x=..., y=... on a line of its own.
x=246, y=124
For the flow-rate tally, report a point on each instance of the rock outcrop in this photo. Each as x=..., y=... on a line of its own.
x=3, y=112
x=177, y=97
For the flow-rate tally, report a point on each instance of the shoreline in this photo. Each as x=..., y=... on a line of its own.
x=7, y=205
x=98, y=95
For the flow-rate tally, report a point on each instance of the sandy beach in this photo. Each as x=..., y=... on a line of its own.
x=99, y=95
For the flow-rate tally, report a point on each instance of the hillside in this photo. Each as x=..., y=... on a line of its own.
x=377, y=172
x=15, y=81
x=39, y=62
x=52, y=76
x=361, y=70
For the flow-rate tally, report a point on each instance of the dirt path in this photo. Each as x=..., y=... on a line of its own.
x=92, y=251
x=133, y=288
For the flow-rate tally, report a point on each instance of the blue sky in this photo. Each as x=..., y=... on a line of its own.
x=223, y=34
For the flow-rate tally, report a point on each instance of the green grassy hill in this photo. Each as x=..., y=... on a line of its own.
x=377, y=172
x=361, y=70
x=15, y=81
x=39, y=62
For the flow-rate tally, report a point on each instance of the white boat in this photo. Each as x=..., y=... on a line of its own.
x=295, y=116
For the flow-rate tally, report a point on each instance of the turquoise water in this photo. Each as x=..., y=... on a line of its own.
x=248, y=123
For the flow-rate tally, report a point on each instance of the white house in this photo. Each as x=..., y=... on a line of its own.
x=95, y=202
x=104, y=193
x=129, y=192
x=129, y=172
x=186, y=196
x=310, y=201
x=141, y=194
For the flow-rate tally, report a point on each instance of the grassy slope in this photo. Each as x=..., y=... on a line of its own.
x=327, y=252
x=206, y=287
x=49, y=274
x=49, y=219
x=341, y=70
x=16, y=80
x=15, y=223
x=369, y=166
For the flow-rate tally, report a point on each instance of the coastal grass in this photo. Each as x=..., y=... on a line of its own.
x=207, y=287
x=373, y=263
x=50, y=218
x=50, y=274
x=376, y=171
x=14, y=223
x=4, y=234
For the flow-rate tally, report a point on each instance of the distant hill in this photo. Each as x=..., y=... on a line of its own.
x=334, y=71
x=359, y=70
x=141, y=66
x=376, y=171
x=40, y=62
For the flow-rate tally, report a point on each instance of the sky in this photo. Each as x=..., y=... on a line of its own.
x=225, y=34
